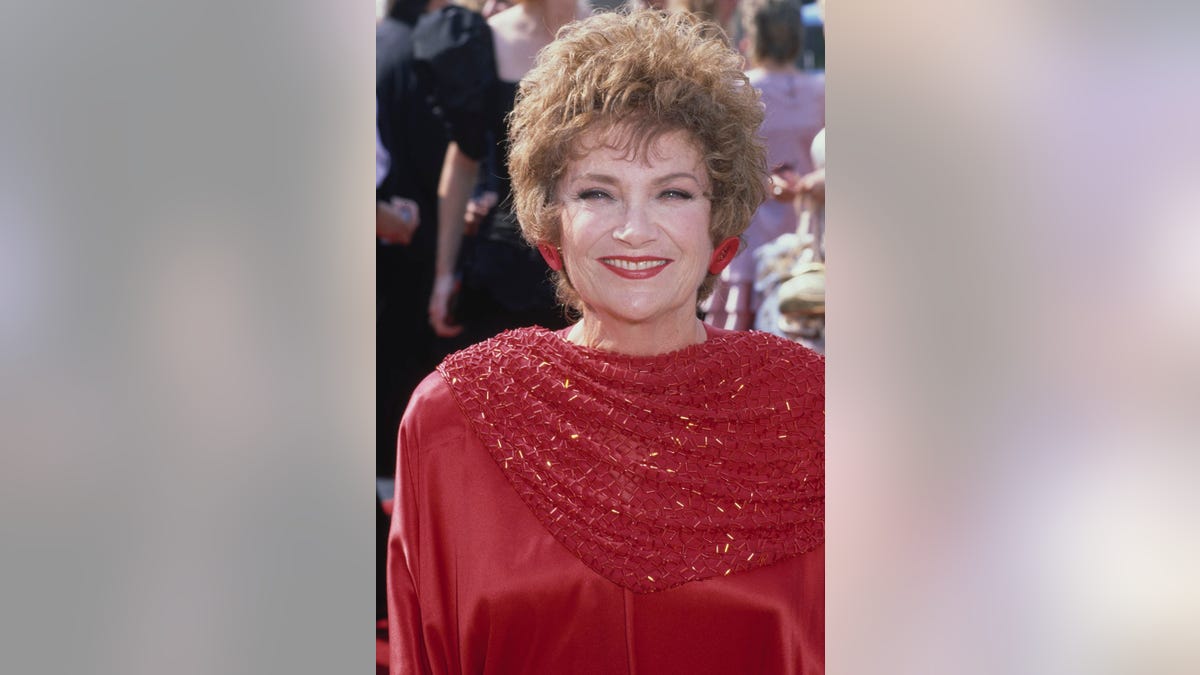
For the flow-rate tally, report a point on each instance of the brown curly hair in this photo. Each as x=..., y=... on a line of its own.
x=648, y=73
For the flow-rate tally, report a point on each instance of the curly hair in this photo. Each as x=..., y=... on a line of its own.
x=645, y=73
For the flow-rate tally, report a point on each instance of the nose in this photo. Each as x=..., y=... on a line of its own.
x=639, y=226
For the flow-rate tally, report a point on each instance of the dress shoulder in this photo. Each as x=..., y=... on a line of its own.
x=432, y=395
x=767, y=343
x=785, y=346
x=455, y=45
x=452, y=31
x=787, y=364
x=804, y=358
x=432, y=420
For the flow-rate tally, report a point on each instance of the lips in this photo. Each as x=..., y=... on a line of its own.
x=635, y=268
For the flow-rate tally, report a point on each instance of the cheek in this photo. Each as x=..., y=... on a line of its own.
x=579, y=231
x=698, y=235
x=574, y=248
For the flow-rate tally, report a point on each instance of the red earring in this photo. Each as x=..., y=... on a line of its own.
x=550, y=254
x=723, y=255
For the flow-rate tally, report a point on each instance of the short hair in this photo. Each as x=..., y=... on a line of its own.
x=648, y=73
x=777, y=31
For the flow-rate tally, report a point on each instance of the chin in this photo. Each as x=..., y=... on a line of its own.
x=626, y=315
x=645, y=315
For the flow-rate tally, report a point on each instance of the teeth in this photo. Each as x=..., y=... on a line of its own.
x=632, y=265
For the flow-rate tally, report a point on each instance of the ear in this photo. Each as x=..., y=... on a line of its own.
x=723, y=255
x=550, y=254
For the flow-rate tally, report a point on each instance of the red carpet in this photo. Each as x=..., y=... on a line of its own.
x=382, y=655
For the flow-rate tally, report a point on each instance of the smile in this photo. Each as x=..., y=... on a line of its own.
x=635, y=268
x=633, y=264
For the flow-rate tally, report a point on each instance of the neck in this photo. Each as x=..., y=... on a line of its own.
x=554, y=14
x=640, y=339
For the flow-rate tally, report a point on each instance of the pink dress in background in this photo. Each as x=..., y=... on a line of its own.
x=795, y=113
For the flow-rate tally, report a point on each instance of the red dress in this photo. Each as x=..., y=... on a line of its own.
x=557, y=512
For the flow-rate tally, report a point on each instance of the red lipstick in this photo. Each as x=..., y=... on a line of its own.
x=630, y=267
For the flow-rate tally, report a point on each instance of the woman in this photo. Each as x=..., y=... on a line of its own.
x=638, y=492
x=503, y=282
x=795, y=112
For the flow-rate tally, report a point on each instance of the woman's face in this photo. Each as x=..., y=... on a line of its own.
x=635, y=231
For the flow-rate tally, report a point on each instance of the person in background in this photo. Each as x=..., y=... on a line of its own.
x=493, y=7
x=486, y=194
x=415, y=139
x=410, y=144
x=795, y=111
x=640, y=491
x=717, y=11
x=810, y=192
x=395, y=220
x=791, y=267
x=500, y=282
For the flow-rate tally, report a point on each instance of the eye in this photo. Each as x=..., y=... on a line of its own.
x=593, y=194
x=675, y=193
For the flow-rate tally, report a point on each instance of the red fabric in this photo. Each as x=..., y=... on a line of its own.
x=659, y=470
x=478, y=584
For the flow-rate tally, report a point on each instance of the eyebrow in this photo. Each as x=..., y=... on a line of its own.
x=612, y=180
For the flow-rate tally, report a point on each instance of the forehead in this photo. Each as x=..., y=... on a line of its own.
x=645, y=147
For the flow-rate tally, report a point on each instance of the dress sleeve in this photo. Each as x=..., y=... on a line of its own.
x=454, y=44
x=405, y=638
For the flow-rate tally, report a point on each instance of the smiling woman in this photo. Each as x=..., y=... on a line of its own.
x=588, y=92
x=638, y=492
x=635, y=242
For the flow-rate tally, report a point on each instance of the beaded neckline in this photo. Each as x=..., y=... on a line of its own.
x=656, y=470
